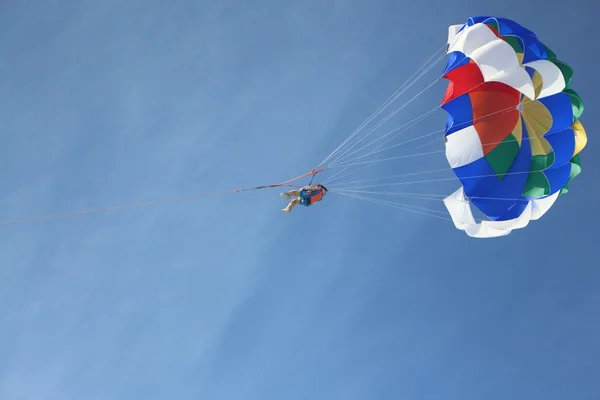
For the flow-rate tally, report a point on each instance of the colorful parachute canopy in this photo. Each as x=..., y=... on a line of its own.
x=513, y=133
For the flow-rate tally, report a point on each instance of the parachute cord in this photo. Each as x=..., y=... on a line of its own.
x=387, y=177
x=401, y=206
x=398, y=131
x=341, y=157
x=335, y=177
x=392, y=158
x=431, y=180
x=349, y=163
x=410, y=81
x=344, y=154
x=438, y=198
x=373, y=162
x=422, y=196
x=161, y=201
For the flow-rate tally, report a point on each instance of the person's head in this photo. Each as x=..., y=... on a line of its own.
x=323, y=187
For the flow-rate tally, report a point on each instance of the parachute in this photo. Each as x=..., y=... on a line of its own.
x=513, y=134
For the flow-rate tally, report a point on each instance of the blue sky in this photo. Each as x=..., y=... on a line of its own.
x=105, y=103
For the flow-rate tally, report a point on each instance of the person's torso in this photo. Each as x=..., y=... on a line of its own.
x=315, y=194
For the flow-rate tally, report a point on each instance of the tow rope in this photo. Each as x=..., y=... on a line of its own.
x=312, y=173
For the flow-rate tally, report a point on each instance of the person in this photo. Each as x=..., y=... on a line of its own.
x=307, y=196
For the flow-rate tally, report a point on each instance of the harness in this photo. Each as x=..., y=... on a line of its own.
x=312, y=198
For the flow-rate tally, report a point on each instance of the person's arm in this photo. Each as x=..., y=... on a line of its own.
x=310, y=189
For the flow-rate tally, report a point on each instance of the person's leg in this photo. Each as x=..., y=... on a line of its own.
x=290, y=194
x=291, y=205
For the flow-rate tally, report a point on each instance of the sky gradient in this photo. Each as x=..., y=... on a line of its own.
x=105, y=103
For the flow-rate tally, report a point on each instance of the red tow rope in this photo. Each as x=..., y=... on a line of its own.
x=148, y=203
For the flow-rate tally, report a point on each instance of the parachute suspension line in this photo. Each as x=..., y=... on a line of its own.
x=397, y=176
x=387, y=103
x=343, y=152
x=383, y=121
x=161, y=201
x=438, y=198
x=409, y=195
x=430, y=181
x=475, y=120
x=355, y=161
x=436, y=140
x=372, y=162
x=405, y=206
x=401, y=206
x=399, y=130
x=402, y=128
x=422, y=196
x=425, y=209
x=331, y=179
x=352, y=162
x=393, y=158
x=388, y=184
x=392, y=114
x=339, y=158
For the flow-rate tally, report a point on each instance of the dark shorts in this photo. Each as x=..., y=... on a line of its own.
x=305, y=198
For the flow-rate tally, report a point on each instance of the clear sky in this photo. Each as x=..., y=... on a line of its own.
x=114, y=102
